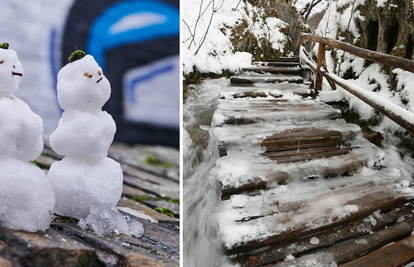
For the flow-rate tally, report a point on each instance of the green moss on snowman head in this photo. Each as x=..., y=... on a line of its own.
x=4, y=45
x=78, y=54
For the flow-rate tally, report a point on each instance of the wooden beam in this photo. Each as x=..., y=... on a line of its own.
x=386, y=59
x=321, y=62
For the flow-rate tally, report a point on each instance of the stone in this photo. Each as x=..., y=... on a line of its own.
x=137, y=260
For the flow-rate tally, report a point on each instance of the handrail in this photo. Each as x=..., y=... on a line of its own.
x=396, y=113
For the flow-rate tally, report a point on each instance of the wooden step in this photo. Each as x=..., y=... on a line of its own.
x=276, y=64
x=242, y=111
x=351, y=234
x=273, y=70
x=247, y=223
x=276, y=90
x=265, y=78
x=285, y=59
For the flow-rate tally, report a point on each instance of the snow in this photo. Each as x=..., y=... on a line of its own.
x=104, y=220
x=26, y=198
x=314, y=240
x=85, y=176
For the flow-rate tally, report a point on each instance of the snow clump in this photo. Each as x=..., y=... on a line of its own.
x=26, y=199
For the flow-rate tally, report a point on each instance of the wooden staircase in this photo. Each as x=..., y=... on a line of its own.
x=295, y=178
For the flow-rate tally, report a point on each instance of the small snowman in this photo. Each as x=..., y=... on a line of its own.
x=85, y=176
x=26, y=199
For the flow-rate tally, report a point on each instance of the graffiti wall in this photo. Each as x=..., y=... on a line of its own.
x=136, y=42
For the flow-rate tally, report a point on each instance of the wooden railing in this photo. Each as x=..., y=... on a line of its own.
x=396, y=113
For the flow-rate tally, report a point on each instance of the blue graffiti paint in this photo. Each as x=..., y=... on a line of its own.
x=53, y=66
x=143, y=78
x=103, y=37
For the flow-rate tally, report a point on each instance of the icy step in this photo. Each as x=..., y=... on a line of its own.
x=276, y=64
x=276, y=90
x=243, y=170
x=265, y=78
x=244, y=223
x=242, y=111
x=273, y=70
x=285, y=135
x=332, y=240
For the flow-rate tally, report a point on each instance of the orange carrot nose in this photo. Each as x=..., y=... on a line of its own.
x=87, y=74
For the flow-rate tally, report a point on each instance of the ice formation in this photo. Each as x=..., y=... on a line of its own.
x=86, y=176
x=26, y=199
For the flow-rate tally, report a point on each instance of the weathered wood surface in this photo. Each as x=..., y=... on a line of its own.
x=350, y=234
x=277, y=63
x=276, y=90
x=273, y=70
x=266, y=78
x=352, y=202
x=151, y=180
x=390, y=60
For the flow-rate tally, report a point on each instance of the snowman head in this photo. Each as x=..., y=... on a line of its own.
x=11, y=71
x=82, y=85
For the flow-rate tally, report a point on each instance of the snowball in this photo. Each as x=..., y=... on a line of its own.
x=10, y=70
x=83, y=135
x=107, y=220
x=289, y=257
x=314, y=240
x=26, y=199
x=20, y=129
x=79, y=184
x=77, y=91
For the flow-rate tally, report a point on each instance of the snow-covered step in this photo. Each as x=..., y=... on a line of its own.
x=241, y=111
x=285, y=135
x=246, y=169
x=265, y=78
x=277, y=90
x=244, y=223
x=274, y=70
x=276, y=64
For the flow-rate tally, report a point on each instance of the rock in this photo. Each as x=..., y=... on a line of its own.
x=5, y=263
x=137, y=260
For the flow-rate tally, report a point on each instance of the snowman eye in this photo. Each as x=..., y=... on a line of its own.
x=100, y=72
x=14, y=67
x=1, y=62
x=87, y=74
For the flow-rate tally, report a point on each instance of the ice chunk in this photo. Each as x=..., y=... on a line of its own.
x=82, y=85
x=78, y=185
x=83, y=135
x=107, y=220
x=11, y=72
x=20, y=129
x=26, y=199
x=314, y=240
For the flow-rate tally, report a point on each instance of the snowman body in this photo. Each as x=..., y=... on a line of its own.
x=26, y=198
x=86, y=176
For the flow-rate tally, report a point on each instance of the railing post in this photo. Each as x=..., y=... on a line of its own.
x=301, y=39
x=321, y=62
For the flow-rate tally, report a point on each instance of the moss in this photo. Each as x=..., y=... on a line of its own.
x=141, y=199
x=68, y=219
x=152, y=160
x=78, y=54
x=167, y=212
x=175, y=200
x=4, y=45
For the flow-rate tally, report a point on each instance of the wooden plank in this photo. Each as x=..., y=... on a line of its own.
x=263, y=78
x=397, y=254
x=381, y=198
x=307, y=154
x=328, y=238
x=274, y=70
x=285, y=59
x=390, y=60
x=277, y=64
x=374, y=242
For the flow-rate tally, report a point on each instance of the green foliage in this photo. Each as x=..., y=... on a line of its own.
x=78, y=54
x=175, y=200
x=4, y=45
x=141, y=199
x=68, y=219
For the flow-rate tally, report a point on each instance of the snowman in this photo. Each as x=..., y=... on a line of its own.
x=26, y=199
x=85, y=176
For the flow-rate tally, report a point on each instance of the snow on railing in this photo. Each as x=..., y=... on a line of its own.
x=396, y=113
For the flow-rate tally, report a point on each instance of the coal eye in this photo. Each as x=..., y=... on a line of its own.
x=87, y=74
x=100, y=72
x=14, y=67
x=1, y=62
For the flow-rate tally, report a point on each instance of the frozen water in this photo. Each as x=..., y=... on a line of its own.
x=85, y=177
x=82, y=85
x=20, y=129
x=314, y=240
x=89, y=135
x=26, y=199
x=104, y=220
x=79, y=184
x=10, y=68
